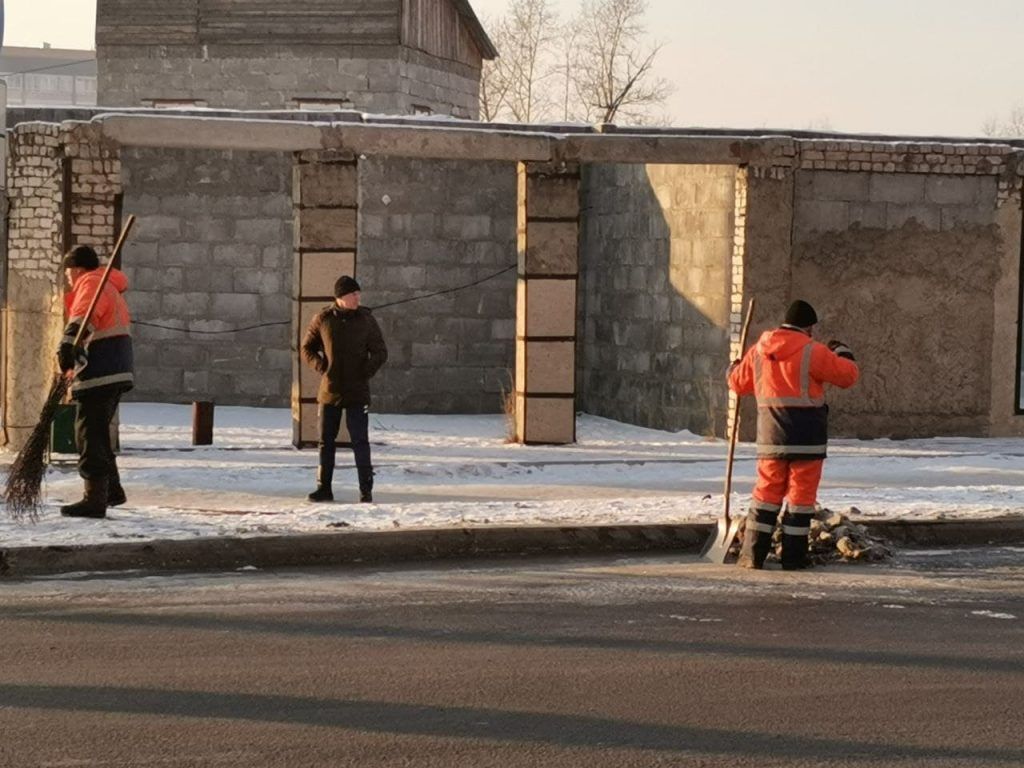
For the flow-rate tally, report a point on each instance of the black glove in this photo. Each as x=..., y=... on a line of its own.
x=841, y=349
x=69, y=356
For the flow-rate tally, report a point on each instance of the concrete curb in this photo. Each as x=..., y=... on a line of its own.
x=342, y=548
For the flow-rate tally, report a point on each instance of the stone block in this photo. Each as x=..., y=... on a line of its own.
x=184, y=254
x=433, y=355
x=927, y=216
x=158, y=228
x=552, y=197
x=211, y=280
x=319, y=271
x=152, y=279
x=258, y=231
x=463, y=227
x=185, y=306
x=903, y=188
x=959, y=190
x=261, y=281
x=306, y=425
x=548, y=248
x=234, y=307
x=306, y=311
x=838, y=185
x=207, y=229
x=236, y=255
x=545, y=420
x=966, y=216
x=545, y=367
x=868, y=215
x=326, y=184
x=326, y=229
x=822, y=216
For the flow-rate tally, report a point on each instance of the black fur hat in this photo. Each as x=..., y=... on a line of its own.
x=801, y=314
x=81, y=256
x=345, y=284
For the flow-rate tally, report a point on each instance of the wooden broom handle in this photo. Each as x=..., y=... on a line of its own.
x=103, y=280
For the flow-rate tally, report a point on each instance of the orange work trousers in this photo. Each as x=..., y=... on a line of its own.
x=793, y=479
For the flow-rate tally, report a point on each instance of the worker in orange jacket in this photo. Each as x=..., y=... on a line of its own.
x=786, y=371
x=100, y=370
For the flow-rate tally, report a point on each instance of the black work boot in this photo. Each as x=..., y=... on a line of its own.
x=93, y=504
x=366, y=485
x=757, y=537
x=795, y=531
x=115, y=492
x=323, y=492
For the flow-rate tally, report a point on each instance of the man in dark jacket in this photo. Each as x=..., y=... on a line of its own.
x=344, y=344
x=100, y=371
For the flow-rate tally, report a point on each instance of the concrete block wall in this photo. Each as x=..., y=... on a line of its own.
x=211, y=252
x=379, y=79
x=903, y=268
x=428, y=226
x=657, y=249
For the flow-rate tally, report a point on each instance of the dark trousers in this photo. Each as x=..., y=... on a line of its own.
x=94, y=412
x=357, y=419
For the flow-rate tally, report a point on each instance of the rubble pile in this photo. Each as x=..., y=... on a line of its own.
x=834, y=537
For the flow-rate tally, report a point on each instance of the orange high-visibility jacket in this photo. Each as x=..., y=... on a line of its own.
x=107, y=338
x=787, y=370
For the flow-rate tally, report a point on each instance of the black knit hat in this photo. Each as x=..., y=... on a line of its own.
x=344, y=285
x=801, y=314
x=81, y=256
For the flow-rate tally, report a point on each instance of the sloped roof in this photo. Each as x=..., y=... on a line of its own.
x=53, y=61
x=476, y=29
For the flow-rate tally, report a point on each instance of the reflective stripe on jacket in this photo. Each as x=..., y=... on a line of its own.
x=107, y=338
x=787, y=370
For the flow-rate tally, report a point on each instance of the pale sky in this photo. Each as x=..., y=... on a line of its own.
x=924, y=67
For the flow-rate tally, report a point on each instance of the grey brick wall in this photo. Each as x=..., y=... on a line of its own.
x=380, y=79
x=211, y=252
x=429, y=226
x=656, y=251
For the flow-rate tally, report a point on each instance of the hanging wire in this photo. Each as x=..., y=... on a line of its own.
x=288, y=322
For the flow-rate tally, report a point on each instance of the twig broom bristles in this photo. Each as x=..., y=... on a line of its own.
x=22, y=492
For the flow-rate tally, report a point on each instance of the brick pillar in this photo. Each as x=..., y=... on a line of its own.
x=325, y=193
x=64, y=190
x=34, y=311
x=92, y=189
x=548, y=234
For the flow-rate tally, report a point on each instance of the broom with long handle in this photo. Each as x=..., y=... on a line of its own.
x=22, y=492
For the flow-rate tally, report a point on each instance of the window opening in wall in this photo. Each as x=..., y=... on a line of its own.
x=420, y=109
x=320, y=104
x=174, y=103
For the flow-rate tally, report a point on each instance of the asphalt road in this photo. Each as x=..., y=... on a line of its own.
x=614, y=662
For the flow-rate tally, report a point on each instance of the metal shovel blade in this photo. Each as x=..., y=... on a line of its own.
x=716, y=548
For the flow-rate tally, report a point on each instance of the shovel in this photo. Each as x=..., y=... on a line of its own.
x=717, y=546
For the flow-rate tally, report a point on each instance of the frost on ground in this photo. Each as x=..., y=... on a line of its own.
x=439, y=471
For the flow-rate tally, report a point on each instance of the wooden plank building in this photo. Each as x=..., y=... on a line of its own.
x=391, y=56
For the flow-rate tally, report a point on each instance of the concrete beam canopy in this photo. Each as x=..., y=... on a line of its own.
x=394, y=140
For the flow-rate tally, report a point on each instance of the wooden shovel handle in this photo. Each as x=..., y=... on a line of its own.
x=734, y=414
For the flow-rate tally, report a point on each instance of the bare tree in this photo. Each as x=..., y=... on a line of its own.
x=612, y=64
x=494, y=82
x=1011, y=128
x=515, y=84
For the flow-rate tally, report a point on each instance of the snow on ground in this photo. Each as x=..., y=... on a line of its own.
x=438, y=471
